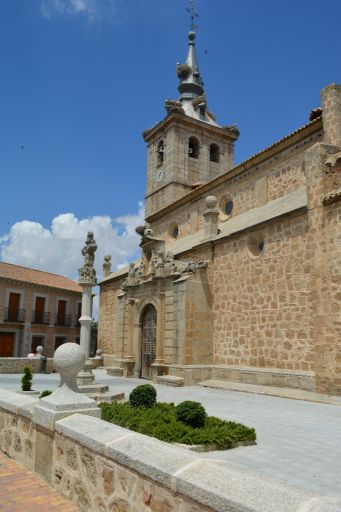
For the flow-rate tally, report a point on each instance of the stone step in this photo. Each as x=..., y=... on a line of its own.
x=107, y=397
x=294, y=394
x=93, y=388
x=170, y=380
x=115, y=371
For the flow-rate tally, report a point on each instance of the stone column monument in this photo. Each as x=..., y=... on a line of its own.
x=87, y=279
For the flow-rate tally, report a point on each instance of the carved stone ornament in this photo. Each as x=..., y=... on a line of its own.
x=159, y=266
x=87, y=273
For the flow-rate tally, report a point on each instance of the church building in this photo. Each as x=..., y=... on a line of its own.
x=240, y=271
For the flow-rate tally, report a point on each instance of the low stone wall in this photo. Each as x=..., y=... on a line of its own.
x=103, y=467
x=17, y=364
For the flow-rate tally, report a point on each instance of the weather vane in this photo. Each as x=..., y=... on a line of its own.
x=192, y=13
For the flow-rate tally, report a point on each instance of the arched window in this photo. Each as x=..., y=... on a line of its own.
x=214, y=153
x=193, y=147
x=160, y=152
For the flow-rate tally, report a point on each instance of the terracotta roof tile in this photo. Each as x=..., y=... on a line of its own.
x=37, y=277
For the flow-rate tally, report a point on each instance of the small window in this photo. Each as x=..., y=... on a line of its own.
x=174, y=230
x=228, y=207
x=256, y=245
x=193, y=147
x=214, y=153
x=160, y=152
x=225, y=207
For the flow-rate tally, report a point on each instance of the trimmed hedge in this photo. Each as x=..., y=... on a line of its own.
x=143, y=396
x=191, y=413
x=26, y=380
x=160, y=421
x=46, y=392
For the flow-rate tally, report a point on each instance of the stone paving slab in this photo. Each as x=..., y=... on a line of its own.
x=22, y=491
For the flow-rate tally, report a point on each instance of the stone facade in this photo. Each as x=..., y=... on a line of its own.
x=26, y=324
x=256, y=295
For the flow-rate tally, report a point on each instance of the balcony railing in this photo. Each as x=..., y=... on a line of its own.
x=40, y=317
x=64, y=320
x=14, y=315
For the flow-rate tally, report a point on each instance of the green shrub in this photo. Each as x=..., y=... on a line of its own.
x=191, y=413
x=160, y=421
x=46, y=392
x=26, y=381
x=143, y=396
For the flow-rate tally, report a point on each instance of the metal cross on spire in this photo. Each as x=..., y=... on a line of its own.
x=192, y=13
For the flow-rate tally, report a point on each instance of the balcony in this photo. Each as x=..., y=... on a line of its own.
x=64, y=320
x=14, y=315
x=40, y=317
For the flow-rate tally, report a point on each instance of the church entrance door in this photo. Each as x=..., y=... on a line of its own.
x=148, y=341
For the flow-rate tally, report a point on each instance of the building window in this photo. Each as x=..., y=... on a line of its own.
x=214, y=153
x=13, y=312
x=160, y=152
x=193, y=147
x=255, y=245
x=173, y=230
x=39, y=315
x=59, y=340
x=62, y=317
x=36, y=342
x=225, y=208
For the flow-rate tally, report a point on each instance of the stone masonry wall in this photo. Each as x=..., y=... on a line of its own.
x=107, y=316
x=274, y=178
x=262, y=305
x=17, y=364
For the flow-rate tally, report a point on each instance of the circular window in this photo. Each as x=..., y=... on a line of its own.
x=255, y=245
x=173, y=230
x=225, y=208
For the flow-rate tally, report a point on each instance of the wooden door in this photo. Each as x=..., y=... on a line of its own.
x=36, y=341
x=61, y=312
x=39, y=310
x=148, y=341
x=13, y=307
x=6, y=344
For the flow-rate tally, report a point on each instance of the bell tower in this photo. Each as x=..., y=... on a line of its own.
x=188, y=147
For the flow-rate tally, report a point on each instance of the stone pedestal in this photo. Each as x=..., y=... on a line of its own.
x=67, y=399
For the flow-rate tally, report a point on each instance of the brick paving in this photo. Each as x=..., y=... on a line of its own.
x=23, y=491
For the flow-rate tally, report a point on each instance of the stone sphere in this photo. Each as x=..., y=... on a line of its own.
x=211, y=202
x=69, y=358
x=107, y=258
x=191, y=35
x=98, y=352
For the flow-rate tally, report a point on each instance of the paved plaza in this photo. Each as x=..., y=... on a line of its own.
x=23, y=491
x=297, y=441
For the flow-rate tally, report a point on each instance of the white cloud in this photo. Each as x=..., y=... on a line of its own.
x=58, y=249
x=92, y=10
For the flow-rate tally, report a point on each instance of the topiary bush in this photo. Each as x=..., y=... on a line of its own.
x=46, y=392
x=26, y=381
x=191, y=413
x=143, y=396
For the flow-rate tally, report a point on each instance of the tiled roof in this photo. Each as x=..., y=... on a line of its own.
x=37, y=277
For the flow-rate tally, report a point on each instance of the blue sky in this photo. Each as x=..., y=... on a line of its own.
x=81, y=80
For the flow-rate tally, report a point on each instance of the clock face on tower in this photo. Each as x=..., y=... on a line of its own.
x=160, y=175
